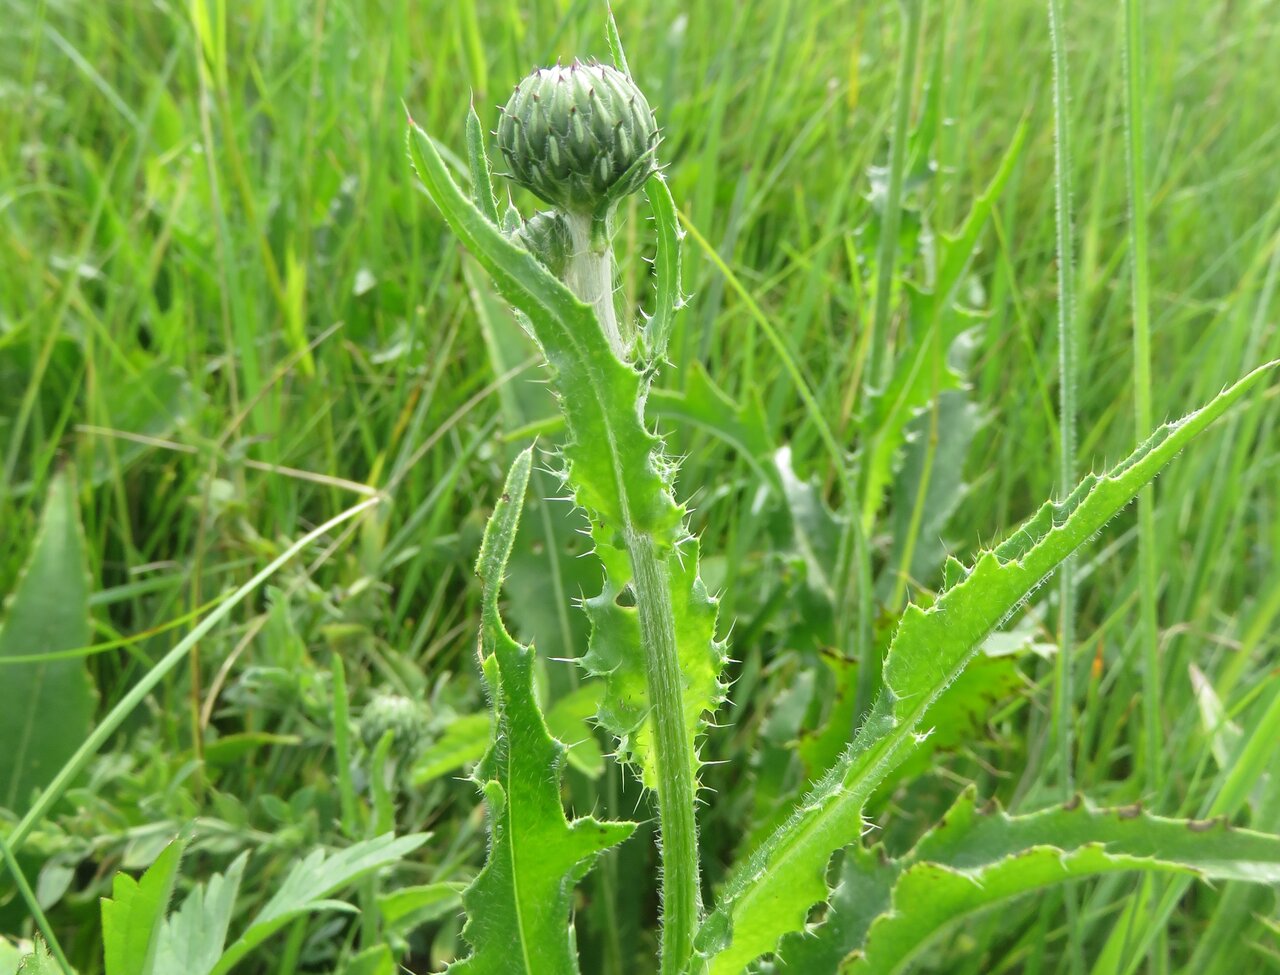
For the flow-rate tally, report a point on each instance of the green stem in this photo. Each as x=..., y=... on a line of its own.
x=1142, y=412
x=879, y=357
x=673, y=753
x=887, y=254
x=1064, y=699
x=589, y=275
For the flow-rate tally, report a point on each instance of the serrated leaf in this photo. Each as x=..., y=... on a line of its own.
x=769, y=895
x=518, y=907
x=48, y=611
x=862, y=893
x=883, y=912
x=133, y=916
x=616, y=653
x=193, y=937
x=976, y=860
x=307, y=886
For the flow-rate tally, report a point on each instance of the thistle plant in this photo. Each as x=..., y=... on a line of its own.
x=582, y=138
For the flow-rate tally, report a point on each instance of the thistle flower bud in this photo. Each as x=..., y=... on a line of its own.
x=391, y=712
x=546, y=236
x=580, y=136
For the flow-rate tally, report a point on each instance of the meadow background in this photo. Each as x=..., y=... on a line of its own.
x=228, y=314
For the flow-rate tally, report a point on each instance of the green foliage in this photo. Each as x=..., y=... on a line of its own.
x=140, y=940
x=885, y=911
x=770, y=894
x=46, y=612
x=922, y=370
x=39, y=962
x=617, y=471
x=518, y=907
x=229, y=308
x=133, y=917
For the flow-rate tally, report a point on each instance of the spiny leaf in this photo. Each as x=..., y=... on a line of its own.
x=975, y=860
x=770, y=894
x=617, y=655
x=861, y=895
x=518, y=907
x=970, y=837
x=883, y=912
x=134, y=915
x=611, y=451
x=666, y=267
x=47, y=612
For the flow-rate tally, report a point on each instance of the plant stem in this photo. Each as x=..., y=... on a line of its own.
x=887, y=252
x=590, y=276
x=1142, y=415
x=878, y=357
x=673, y=753
x=1063, y=700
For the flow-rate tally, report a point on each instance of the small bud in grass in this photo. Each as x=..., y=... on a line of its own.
x=391, y=712
x=580, y=136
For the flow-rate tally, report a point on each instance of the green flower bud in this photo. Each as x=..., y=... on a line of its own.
x=545, y=235
x=580, y=136
x=390, y=712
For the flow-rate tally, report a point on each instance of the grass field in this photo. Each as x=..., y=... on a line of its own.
x=228, y=314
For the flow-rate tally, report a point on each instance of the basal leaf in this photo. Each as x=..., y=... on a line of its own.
x=769, y=895
x=518, y=908
x=48, y=707
x=133, y=916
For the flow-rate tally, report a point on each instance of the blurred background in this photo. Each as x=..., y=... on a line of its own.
x=229, y=314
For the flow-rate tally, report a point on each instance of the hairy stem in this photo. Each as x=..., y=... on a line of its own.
x=673, y=753
x=590, y=276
